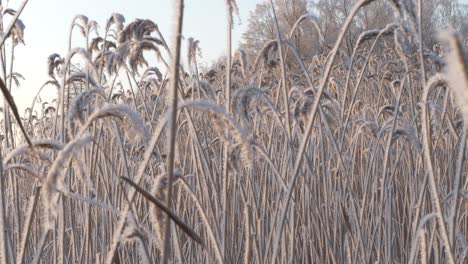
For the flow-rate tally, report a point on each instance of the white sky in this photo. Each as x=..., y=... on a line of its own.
x=48, y=21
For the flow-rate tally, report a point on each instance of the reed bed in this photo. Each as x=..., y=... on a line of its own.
x=341, y=159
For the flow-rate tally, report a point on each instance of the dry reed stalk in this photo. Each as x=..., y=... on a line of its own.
x=283, y=70
x=27, y=230
x=231, y=7
x=167, y=211
x=177, y=38
x=437, y=80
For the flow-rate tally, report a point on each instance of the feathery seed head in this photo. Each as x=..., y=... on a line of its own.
x=116, y=19
x=457, y=71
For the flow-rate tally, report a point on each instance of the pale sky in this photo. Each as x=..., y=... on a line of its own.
x=48, y=21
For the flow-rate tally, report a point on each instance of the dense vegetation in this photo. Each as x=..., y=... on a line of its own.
x=303, y=147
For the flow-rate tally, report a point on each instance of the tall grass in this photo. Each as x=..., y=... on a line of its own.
x=357, y=159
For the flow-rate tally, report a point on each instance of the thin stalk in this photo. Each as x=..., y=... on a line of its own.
x=434, y=82
x=452, y=220
x=283, y=71
x=227, y=102
x=179, y=15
